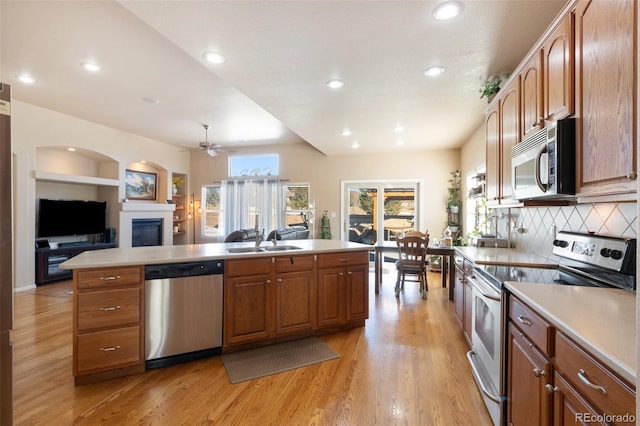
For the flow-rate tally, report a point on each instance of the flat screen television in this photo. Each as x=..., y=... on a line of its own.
x=57, y=218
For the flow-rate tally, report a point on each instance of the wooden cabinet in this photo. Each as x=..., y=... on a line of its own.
x=531, y=95
x=249, y=297
x=502, y=133
x=274, y=298
x=558, y=59
x=606, y=96
x=343, y=282
x=108, y=325
x=529, y=372
x=553, y=380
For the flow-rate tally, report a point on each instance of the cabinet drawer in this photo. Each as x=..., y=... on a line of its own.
x=255, y=266
x=107, y=349
x=342, y=259
x=579, y=368
x=108, y=308
x=104, y=277
x=536, y=328
x=295, y=263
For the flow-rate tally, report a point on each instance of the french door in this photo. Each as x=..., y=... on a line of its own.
x=379, y=210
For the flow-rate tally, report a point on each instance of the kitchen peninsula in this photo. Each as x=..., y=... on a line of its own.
x=271, y=294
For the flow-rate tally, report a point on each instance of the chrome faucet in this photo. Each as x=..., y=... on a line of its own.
x=259, y=237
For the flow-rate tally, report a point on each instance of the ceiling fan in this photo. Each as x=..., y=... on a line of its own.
x=209, y=147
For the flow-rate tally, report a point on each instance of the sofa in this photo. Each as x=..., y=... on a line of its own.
x=297, y=232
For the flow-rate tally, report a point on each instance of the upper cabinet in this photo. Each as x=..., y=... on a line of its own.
x=547, y=79
x=606, y=55
x=502, y=133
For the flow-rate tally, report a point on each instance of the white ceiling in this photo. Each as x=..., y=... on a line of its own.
x=279, y=56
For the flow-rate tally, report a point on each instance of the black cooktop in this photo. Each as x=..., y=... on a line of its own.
x=498, y=274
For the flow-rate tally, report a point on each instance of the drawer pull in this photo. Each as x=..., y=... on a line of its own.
x=582, y=375
x=110, y=349
x=524, y=320
x=110, y=278
x=551, y=388
x=110, y=308
x=537, y=372
x=341, y=273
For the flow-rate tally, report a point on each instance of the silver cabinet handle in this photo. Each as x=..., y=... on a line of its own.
x=341, y=273
x=524, y=320
x=551, y=388
x=110, y=349
x=110, y=278
x=268, y=281
x=582, y=375
x=349, y=273
x=632, y=175
x=537, y=372
x=279, y=280
x=110, y=308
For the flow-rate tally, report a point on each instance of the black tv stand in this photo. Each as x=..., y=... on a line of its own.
x=48, y=260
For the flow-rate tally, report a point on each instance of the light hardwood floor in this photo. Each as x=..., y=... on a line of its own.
x=407, y=366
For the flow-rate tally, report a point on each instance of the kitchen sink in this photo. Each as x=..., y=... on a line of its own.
x=246, y=249
x=280, y=248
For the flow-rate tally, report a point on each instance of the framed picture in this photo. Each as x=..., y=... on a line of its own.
x=140, y=185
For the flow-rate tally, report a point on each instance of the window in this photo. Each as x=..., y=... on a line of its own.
x=211, y=211
x=254, y=165
x=297, y=203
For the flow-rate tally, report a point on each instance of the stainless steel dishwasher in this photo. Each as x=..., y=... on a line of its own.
x=183, y=311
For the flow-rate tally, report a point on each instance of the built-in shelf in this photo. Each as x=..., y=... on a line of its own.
x=76, y=179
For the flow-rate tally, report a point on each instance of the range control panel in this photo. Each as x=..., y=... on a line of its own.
x=614, y=253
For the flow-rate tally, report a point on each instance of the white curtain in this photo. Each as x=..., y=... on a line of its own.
x=243, y=199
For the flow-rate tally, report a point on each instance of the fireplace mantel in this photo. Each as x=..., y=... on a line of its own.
x=132, y=210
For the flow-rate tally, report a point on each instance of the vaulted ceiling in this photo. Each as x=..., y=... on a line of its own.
x=271, y=89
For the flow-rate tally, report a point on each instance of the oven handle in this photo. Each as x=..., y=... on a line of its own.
x=475, y=372
x=474, y=281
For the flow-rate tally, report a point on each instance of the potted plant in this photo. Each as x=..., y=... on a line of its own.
x=453, y=200
x=492, y=86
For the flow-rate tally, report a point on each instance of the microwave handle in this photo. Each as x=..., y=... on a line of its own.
x=543, y=187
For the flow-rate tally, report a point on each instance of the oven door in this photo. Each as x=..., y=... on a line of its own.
x=486, y=354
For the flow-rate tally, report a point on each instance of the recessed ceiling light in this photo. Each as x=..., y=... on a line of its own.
x=355, y=145
x=447, y=10
x=150, y=100
x=71, y=149
x=214, y=57
x=335, y=83
x=26, y=78
x=398, y=129
x=91, y=66
x=346, y=132
x=433, y=71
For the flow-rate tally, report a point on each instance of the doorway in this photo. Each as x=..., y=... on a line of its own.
x=379, y=210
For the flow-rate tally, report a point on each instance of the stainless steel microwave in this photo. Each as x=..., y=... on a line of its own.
x=543, y=165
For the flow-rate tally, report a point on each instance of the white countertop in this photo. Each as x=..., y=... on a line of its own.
x=507, y=257
x=601, y=320
x=193, y=252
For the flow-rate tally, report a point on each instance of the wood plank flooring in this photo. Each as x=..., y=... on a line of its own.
x=407, y=366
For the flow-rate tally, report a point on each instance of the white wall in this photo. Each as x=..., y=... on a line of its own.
x=35, y=127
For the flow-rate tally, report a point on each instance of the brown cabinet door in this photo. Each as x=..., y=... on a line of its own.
x=606, y=53
x=569, y=407
x=248, y=309
x=531, y=95
x=528, y=372
x=295, y=302
x=509, y=137
x=492, y=137
x=331, y=297
x=459, y=296
x=558, y=71
x=357, y=287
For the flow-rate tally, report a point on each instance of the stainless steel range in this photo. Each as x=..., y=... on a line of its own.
x=584, y=259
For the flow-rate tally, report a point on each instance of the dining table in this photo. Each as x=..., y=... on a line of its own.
x=447, y=265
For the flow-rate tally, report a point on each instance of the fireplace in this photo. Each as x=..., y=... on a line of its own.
x=146, y=232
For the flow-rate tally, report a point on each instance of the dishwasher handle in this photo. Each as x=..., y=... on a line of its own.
x=183, y=269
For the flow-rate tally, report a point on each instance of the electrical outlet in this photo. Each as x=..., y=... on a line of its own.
x=552, y=231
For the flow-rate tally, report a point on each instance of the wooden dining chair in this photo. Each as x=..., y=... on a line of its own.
x=414, y=233
x=412, y=261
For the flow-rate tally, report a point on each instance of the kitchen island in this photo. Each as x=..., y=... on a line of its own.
x=275, y=293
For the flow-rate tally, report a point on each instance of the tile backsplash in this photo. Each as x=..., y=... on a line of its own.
x=531, y=229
